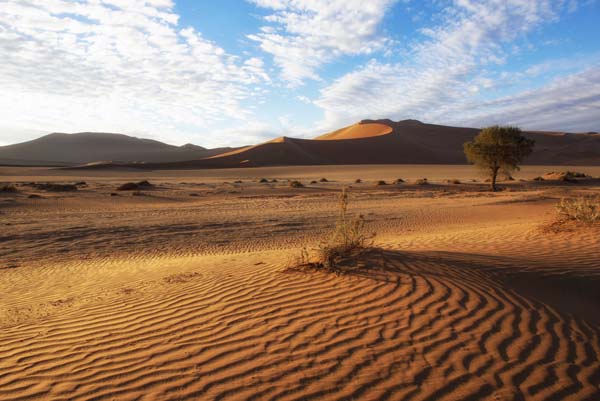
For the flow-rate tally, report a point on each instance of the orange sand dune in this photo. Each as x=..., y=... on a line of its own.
x=357, y=131
x=389, y=142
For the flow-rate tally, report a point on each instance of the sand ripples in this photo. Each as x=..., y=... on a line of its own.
x=420, y=326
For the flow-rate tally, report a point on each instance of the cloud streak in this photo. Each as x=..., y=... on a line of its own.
x=302, y=35
x=447, y=72
x=118, y=65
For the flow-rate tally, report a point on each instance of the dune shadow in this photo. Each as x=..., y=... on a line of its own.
x=561, y=287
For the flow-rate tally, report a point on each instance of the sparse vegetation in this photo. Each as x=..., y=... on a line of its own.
x=399, y=181
x=274, y=180
x=498, y=150
x=346, y=240
x=582, y=209
x=324, y=180
x=381, y=182
x=313, y=182
x=421, y=181
x=296, y=184
x=453, y=181
x=566, y=176
x=538, y=179
x=8, y=188
x=358, y=181
x=133, y=186
x=53, y=187
x=263, y=180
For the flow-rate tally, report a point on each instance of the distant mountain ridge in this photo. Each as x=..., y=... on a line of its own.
x=90, y=147
x=366, y=142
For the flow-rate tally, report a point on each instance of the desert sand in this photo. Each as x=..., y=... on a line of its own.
x=183, y=290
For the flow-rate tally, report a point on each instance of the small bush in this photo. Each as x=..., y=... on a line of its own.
x=263, y=180
x=582, y=209
x=35, y=196
x=324, y=180
x=538, y=178
x=273, y=180
x=8, y=188
x=421, y=181
x=381, y=182
x=346, y=240
x=399, y=181
x=238, y=182
x=132, y=186
x=313, y=182
x=453, y=181
x=114, y=194
x=358, y=181
x=81, y=184
x=296, y=184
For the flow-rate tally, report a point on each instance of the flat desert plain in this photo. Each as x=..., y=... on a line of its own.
x=186, y=289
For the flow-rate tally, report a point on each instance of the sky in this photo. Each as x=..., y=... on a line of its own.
x=237, y=72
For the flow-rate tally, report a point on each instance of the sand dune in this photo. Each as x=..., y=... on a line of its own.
x=173, y=297
x=88, y=147
x=388, y=142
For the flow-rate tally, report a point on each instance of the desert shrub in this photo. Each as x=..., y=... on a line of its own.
x=313, y=182
x=273, y=180
x=358, y=181
x=453, y=181
x=114, y=194
x=132, y=186
x=582, y=209
x=35, y=196
x=538, y=179
x=346, y=240
x=324, y=180
x=296, y=184
x=421, y=181
x=263, y=180
x=80, y=184
x=56, y=187
x=381, y=182
x=8, y=188
x=238, y=182
x=399, y=181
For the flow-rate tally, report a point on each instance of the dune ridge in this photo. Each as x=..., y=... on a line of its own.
x=389, y=142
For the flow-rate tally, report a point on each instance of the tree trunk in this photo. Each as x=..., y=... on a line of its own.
x=494, y=176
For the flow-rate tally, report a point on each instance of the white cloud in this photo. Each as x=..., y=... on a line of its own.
x=447, y=71
x=116, y=65
x=305, y=34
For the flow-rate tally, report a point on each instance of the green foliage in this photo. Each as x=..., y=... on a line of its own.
x=498, y=149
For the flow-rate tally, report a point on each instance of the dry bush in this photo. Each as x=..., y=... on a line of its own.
x=324, y=180
x=347, y=239
x=296, y=184
x=582, y=209
x=313, y=182
x=453, y=181
x=358, y=181
x=421, y=181
x=133, y=186
x=381, y=182
x=263, y=180
x=8, y=188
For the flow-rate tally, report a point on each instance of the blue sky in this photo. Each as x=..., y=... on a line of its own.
x=237, y=72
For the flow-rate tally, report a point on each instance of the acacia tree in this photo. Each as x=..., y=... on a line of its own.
x=498, y=149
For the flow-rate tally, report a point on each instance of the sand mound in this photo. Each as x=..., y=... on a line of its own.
x=356, y=131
